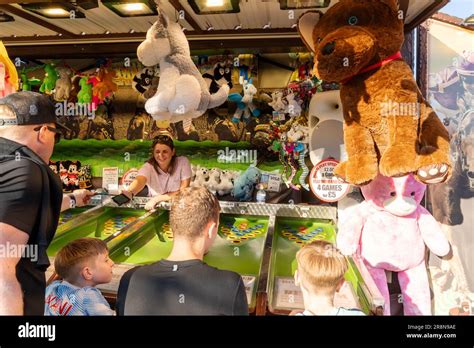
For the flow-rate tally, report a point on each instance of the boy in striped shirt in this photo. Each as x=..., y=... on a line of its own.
x=82, y=265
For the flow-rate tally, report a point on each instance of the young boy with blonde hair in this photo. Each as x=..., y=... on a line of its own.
x=320, y=274
x=82, y=264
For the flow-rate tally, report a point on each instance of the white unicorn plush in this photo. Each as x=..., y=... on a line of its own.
x=182, y=92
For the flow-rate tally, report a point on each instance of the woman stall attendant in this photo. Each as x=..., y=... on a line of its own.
x=164, y=173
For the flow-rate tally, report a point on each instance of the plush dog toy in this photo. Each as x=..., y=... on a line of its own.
x=389, y=127
x=389, y=231
x=8, y=73
x=182, y=92
x=245, y=184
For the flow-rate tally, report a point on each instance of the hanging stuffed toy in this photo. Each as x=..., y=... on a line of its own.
x=389, y=231
x=63, y=87
x=103, y=85
x=389, y=128
x=143, y=80
x=8, y=73
x=293, y=107
x=50, y=78
x=182, y=92
x=85, y=93
x=277, y=102
x=27, y=84
x=245, y=104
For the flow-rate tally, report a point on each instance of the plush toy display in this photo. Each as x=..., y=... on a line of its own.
x=226, y=185
x=8, y=73
x=245, y=105
x=214, y=180
x=245, y=184
x=202, y=176
x=182, y=92
x=389, y=231
x=63, y=87
x=388, y=126
x=50, y=78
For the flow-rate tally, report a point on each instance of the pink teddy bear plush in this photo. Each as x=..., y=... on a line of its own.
x=389, y=231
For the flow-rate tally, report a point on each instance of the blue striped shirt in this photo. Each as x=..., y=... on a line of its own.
x=65, y=299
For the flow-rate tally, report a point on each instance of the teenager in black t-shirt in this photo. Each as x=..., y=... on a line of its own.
x=183, y=284
x=30, y=199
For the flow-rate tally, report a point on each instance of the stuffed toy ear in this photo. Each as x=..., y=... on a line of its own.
x=393, y=4
x=306, y=24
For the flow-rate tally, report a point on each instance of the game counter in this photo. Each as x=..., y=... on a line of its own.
x=257, y=240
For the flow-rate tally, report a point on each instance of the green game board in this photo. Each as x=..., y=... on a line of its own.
x=290, y=235
x=101, y=224
x=70, y=214
x=238, y=246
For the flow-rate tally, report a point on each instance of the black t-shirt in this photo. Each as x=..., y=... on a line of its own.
x=30, y=200
x=181, y=288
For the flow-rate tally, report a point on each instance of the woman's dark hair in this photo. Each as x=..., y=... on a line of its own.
x=163, y=140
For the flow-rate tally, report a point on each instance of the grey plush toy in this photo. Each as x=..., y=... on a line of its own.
x=182, y=92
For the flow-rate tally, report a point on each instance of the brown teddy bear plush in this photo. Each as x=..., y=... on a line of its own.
x=389, y=127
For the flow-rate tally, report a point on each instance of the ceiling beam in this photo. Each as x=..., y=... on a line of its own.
x=177, y=5
x=128, y=49
x=39, y=21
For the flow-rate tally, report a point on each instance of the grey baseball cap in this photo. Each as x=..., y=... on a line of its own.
x=30, y=108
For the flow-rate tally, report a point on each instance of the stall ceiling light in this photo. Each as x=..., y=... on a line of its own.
x=6, y=18
x=297, y=4
x=214, y=6
x=54, y=10
x=134, y=8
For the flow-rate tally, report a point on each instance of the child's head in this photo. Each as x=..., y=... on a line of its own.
x=84, y=261
x=321, y=268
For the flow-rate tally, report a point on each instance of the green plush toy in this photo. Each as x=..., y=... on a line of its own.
x=26, y=83
x=50, y=78
x=85, y=94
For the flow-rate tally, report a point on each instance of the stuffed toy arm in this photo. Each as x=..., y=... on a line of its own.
x=350, y=230
x=431, y=233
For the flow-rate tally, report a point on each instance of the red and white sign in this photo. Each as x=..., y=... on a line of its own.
x=324, y=184
x=128, y=177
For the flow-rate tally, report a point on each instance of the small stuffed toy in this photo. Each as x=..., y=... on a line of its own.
x=293, y=108
x=85, y=93
x=182, y=92
x=225, y=186
x=8, y=73
x=214, y=180
x=389, y=231
x=245, y=105
x=389, y=127
x=277, y=101
x=202, y=176
x=50, y=78
x=54, y=166
x=63, y=87
x=245, y=184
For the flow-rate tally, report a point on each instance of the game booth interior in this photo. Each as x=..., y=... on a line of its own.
x=309, y=120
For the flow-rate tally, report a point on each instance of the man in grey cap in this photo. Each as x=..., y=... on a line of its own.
x=31, y=199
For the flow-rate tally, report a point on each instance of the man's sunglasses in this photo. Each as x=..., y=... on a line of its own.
x=57, y=132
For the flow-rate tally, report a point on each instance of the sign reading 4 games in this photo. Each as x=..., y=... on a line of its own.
x=323, y=183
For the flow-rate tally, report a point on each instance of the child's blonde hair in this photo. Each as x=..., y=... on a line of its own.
x=321, y=266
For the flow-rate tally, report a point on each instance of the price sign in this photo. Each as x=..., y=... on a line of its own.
x=324, y=184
